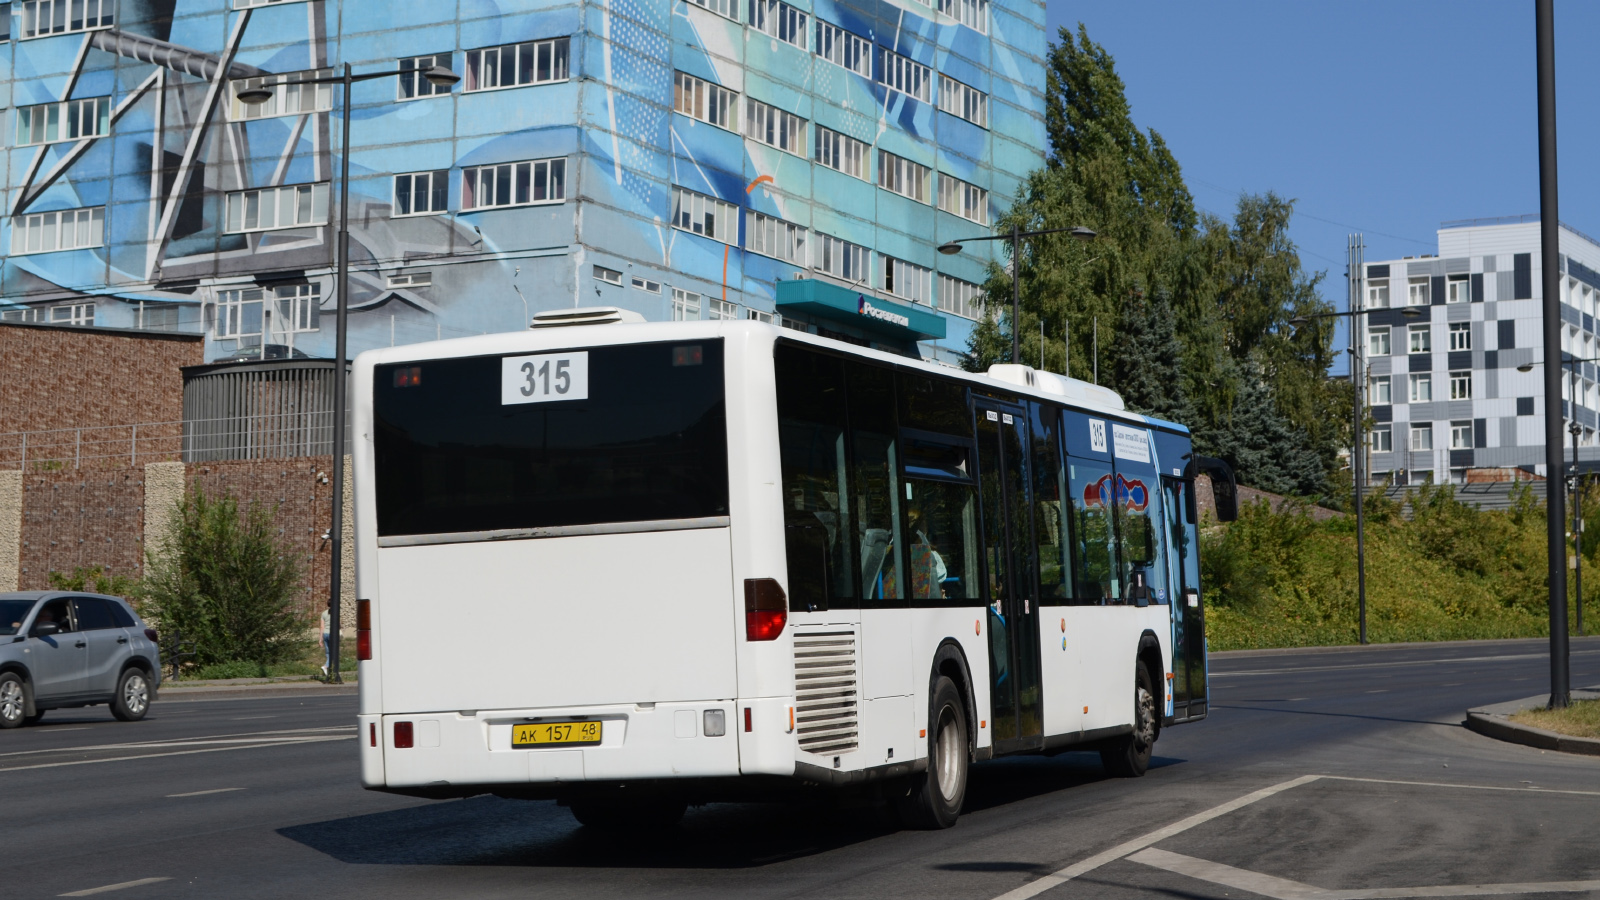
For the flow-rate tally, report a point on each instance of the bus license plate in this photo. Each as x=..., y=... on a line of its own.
x=555, y=733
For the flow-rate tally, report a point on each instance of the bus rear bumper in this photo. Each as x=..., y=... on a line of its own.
x=638, y=741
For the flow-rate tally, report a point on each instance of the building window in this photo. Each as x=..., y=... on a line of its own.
x=70, y=121
x=842, y=48
x=514, y=65
x=69, y=229
x=774, y=127
x=609, y=276
x=1421, y=339
x=780, y=20
x=1422, y=436
x=902, y=176
x=700, y=99
x=1378, y=293
x=704, y=215
x=645, y=284
x=962, y=101
x=1421, y=388
x=1460, y=435
x=905, y=75
x=720, y=7
x=250, y=314
x=1458, y=290
x=1378, y=393
x=22, y=314
x=842, y=259
x=46, y=17
x=413, y=85
x=514, y=184
x=965, y=200
x=156, y=316
x=422, y=193
x=409, y=280
x=1417, y=292
x=290, y=206
x=1461, y=385
x=1381, y=439
x=756, y=315
x=959, y=297
x=72, y=314
x=1378, y=341
x=685, y=306
x=1460, y=335
x=290, y=95
x=904, y=279
x=775, y=238
x=841, y=152
x=972, y=13
x=722, y=310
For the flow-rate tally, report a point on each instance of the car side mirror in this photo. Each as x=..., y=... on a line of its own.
x=45, y=629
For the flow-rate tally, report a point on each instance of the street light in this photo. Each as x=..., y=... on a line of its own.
x=439, y=76
x=951, y=248
x=1409, y=312
x=1574, y=429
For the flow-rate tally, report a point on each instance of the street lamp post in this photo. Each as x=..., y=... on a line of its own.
x=1409, y=312
x=438, y=76
x=950, y=248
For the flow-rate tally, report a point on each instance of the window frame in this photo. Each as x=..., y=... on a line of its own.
x=1461, y=384
x=698, y=99
x=1414, y=382
x=967, y=307
x=838, y=41
x=895, y=270
x=555, y=168
x=963, y=101
x=773, y=122
x=1377, y=384
x=21, y=231
x=1383, y=445
x=1378, y=293
x=66, y=111
x=898, y=169
x=1464, y=331
x=424, y=89
x=731, y=11
x=685, y=302
x=559, y=59
x=953, y=192
x=29, y=11
x=1413, y=345
x=1383, y=332
x=1419, y=430
x=305, y=305
x=840, y=145
x=761, y=229
x=1458, y=429
x=828, y=247
x=319, y=192
x=1418, y=289
x=720, y=209
x=321, y=95
x=781, y=14
x=434, y=177
x=972, y=13
x=899, y=72
x=1458, y=289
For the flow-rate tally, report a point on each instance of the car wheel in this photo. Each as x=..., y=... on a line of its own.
x=934, y=797
x=132, y=700
x=13, y=701
x=1129, y=757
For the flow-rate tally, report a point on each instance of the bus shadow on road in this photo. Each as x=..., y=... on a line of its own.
x=488, y=831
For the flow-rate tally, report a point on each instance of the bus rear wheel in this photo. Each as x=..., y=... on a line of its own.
x=933, y=798
x=628, y=815
x=1129, y=756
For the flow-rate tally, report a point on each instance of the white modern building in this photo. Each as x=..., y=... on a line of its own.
x=1446, y=397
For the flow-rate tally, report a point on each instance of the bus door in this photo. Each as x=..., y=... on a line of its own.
x=1188, y=615
x=1017, y=701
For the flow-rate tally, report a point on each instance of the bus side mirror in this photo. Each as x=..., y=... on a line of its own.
x=1224, y=490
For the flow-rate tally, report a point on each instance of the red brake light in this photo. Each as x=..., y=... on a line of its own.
x=363, y=629
x=402, y=735
x=372, y=733
x=766, y=609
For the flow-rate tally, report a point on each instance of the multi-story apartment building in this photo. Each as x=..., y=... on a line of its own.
x=793, y=160
x=1444, y=337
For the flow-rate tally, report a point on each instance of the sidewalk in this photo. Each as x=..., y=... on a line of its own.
x=236, y=688
x=1494, y=721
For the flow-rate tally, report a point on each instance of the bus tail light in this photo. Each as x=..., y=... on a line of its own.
x=766, y=609
x=363, y=629
x=402, y=735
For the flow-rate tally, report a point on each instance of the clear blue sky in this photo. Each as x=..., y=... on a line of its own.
x=1379, y=117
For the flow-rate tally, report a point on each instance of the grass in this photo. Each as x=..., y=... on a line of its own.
x=1581, y=719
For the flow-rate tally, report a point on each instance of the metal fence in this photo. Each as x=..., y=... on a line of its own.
x=258, y=436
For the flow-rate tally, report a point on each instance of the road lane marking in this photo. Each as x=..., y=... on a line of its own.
x=88, y=762
x=113, y=887
x=64, y=730
x=1034, y=888
x=282, y=734
x=1466, y=787
x=247, y=718
x=1294, y=670
x=203, y=793
x=1284, y=889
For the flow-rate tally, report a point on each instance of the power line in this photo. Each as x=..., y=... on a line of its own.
x=1300, y=212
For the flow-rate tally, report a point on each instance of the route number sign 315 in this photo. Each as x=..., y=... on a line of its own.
x=544, y=379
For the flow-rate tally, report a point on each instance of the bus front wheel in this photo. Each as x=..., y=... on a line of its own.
x=933, y=798
x=1129, y=756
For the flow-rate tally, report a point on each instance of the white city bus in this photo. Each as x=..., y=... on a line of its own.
x=633, y=566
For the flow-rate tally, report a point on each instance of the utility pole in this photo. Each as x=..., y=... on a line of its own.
x=1356, y=273
x=1550, y=262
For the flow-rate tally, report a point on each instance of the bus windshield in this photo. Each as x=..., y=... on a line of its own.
x=648, y=442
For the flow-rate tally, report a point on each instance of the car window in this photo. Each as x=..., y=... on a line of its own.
x=12, y=612
x=54, y=611
x=120, y=615
x=93, y=614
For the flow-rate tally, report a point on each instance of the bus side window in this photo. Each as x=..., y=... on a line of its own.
x=876, y=471
x=1050, y=514
x=942, y=531
x=1093, y=501
x=816, y=497
x=933, y=404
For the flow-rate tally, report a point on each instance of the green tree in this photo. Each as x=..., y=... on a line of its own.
x=225, y=581
x=95, y=579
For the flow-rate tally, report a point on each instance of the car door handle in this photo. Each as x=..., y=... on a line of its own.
x=122, y=640
x=81, y=644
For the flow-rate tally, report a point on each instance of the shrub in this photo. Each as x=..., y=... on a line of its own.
x=98, y=580
x=223, y=579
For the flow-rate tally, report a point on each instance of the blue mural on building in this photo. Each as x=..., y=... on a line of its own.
x=680, y=158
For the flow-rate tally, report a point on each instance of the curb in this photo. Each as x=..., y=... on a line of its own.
x=200, y=692
x=1576, y=642
x=1495, y=721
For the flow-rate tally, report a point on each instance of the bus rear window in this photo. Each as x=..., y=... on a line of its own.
x=459, y=447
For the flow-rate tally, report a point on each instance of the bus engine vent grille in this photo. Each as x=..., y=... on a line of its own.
x=826, y=700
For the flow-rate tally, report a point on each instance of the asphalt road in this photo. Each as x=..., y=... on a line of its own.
x=1321, y=775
